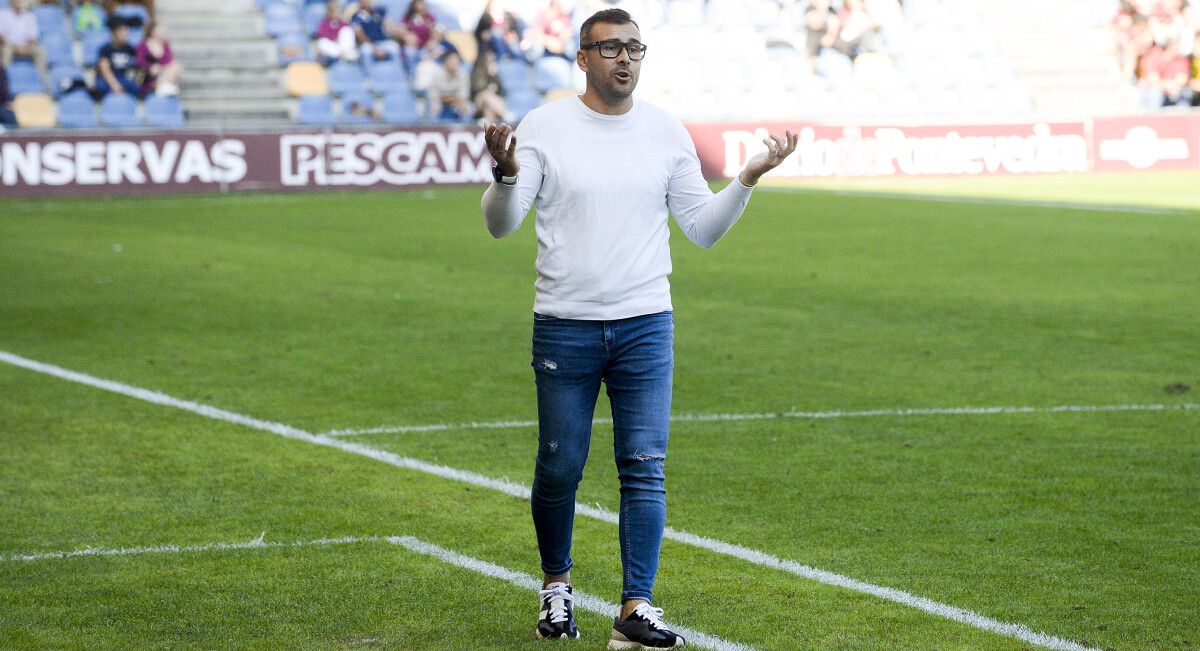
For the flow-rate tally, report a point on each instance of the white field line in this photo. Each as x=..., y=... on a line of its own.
x=988, y=201
x=701, y=417
x=582, y=599
x=507, y=486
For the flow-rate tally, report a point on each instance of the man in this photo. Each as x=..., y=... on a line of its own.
x=117, y=63
x=603, y=170
x=449, y=90
x=8, y=119
x=19, y=37
x=1164, y=79
x=374, y=31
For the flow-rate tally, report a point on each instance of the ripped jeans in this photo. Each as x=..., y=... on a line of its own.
x=635, y=359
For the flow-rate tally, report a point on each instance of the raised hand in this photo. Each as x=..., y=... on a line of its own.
x=777, y=150
x=502, y=148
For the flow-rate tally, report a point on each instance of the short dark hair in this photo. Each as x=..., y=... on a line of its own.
x=610, y=16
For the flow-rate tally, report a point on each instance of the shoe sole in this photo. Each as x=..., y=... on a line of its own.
x=625, y=644
x=564, y=636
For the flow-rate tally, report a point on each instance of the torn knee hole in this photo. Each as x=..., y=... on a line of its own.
x=547, y=364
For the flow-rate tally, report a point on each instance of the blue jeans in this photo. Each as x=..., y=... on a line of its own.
x=128, y=84
x=635, y=359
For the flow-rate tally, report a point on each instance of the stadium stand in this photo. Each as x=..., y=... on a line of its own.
x=232, y=71
x=253, y=61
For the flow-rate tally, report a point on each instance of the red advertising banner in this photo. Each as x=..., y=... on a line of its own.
x=69, y=163
x=122, y=162
x=889, y=150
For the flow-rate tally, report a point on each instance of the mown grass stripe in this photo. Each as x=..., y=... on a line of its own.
x=1019, y=631
x=814, y=415
x=582, y=599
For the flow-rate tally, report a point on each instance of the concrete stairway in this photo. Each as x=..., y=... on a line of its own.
x=231, y=74
x=1063, y=52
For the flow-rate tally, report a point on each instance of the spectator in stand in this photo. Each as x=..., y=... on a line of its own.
x=374, y=31
x=487, y=93
x=1132, y=38
x=1194, y=82
x=499, y=30
x=449, y=90
x=1168, y=23
x=418, y=29
x=420, y=25
x=858, y=31
x=335, y=37
x=821, y=28
x=88, y=17
x=160, y=70
x=8, y=119
x=1164, y=77
x=19, y=36
x=117, y=63
x=551, y=33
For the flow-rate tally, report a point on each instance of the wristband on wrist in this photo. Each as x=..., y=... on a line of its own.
x=500, y=178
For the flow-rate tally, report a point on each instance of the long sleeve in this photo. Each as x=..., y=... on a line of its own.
x=704, y=217
x=505, y=206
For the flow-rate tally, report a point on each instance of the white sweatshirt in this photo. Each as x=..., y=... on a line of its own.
x=602, y=186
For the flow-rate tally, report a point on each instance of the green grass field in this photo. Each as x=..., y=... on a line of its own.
x=383, y=310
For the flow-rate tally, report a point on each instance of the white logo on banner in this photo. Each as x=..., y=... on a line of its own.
x=890, y=150
x=398, y=158
x=1142, y=148
x=114, y=162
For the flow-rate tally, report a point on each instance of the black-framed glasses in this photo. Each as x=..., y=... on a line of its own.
x=611, y=49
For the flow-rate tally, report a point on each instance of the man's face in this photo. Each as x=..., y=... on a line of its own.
x=120, y=35
x=613, y=79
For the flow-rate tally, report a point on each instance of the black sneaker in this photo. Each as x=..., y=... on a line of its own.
x=644, y=629
x=557, y=619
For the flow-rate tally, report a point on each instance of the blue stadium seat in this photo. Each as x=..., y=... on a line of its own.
x=345, y=78
x=521, y=102
x=90, y=43
x=835, y=66
x=136, y=35
x=514, y=74
x=316, y=110
x=164, y=111
x=76, y=110
x=313, y=13
x=51, y=20
x=293, y=47
x=386, y=76
x=282, y=19
x=119, y=110
x=362, y=98
x=23, y=77
x=58, y=50
x=399, y=107
x=132, y=12
x=551, y=72
x=62, y=75
x=446, y=17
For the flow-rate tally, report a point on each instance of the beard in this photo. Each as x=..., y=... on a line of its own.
x=609, y=89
